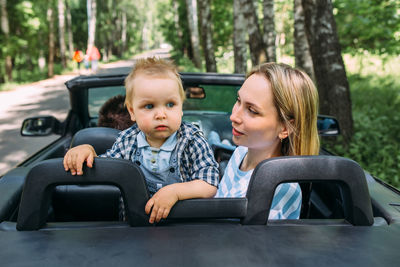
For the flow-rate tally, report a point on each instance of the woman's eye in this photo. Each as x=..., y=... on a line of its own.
x=170, y=104
x=148, y=106
x=252, y=111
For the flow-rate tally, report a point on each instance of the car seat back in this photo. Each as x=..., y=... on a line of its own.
x=101, y=138
x=46, y=175
x=345, y=172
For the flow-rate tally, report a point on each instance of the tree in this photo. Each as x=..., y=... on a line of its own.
x=329, y=68
x=6, y=31
x=91, y=16
x=269, y=29
x=206, y=35
x=258, y=53
x=191, y=6
x=61, y=31
x=50, y=20
x=69, y=30
x=239, y=38
x=302, y=54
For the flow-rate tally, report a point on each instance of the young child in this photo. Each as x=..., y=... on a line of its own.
x=114, y=114
x=174, y=156
x=275, y=114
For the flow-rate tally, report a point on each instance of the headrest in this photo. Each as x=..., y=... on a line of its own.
x=101, y=138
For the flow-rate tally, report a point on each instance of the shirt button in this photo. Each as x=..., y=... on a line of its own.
x=153, y=161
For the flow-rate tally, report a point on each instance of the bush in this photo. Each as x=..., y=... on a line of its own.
x=376, y=141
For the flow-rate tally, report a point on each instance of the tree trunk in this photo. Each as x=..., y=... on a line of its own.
x=61, y=31
x=91, y=13
x=191, y=6
x=330, y=73
x=5, y=27
x=302, y=54
x=258, y=53
x=50, y=19
x=239, y=38
x=206, y=35
x=269, y=29
x=69, y=30
x=123, y=32
x=177, y=24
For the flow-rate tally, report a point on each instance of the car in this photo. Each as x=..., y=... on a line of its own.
x=50, y=218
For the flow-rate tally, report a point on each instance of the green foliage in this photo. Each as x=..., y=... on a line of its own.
x=372, y=25
x=375, y=144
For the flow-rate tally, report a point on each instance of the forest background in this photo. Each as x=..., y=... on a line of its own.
x=349, y=47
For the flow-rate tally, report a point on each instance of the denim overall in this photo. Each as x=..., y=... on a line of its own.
x=155, y=180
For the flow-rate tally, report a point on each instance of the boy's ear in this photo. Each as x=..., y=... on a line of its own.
x=131, y=113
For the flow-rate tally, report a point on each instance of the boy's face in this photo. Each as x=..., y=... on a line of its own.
x=156, y=107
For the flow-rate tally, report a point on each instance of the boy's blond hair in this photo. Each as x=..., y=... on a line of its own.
x=296, y=100
x=155, y=67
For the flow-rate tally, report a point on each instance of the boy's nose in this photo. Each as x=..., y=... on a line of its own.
x=160, y=114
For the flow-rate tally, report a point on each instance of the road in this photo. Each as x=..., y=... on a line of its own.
x=47, y=97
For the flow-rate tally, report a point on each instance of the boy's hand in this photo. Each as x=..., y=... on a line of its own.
x=75, y=157
x=162, y=202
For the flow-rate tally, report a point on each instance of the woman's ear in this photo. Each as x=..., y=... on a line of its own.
x=285, y=131
x=131, y=113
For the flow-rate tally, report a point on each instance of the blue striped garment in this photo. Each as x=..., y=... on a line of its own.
x=286, y=203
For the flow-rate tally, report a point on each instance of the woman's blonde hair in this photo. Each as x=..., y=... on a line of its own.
x=155, y=67
x=296, y=100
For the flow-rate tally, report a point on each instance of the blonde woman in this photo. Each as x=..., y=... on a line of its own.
x=275, y=114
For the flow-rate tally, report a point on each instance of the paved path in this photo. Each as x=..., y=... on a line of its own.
x=47, y=97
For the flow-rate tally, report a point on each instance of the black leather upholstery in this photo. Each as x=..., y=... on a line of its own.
x=101, y=138
x=345, y=172
x=46, y=175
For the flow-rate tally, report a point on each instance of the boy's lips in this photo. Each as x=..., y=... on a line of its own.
x=236, y=132
x=161, y=128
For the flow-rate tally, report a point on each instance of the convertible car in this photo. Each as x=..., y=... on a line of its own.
x=50, y=218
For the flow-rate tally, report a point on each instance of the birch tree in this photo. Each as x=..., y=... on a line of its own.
x=258, y=53
x=91, y=16
x=239, y=38
x=5, y=27
x=69, y=30
x=50, y=20
x=61, y=31
x=192, y=18
x=206, y=34
x=302, y=54
x=330, y=73
x=269, y=29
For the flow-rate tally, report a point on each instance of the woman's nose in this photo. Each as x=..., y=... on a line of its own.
x=236, y=114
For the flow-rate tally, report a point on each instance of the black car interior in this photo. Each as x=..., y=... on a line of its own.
x=95, y=195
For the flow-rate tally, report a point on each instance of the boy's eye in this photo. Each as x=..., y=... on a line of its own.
x=170, y=104
x=148, y=106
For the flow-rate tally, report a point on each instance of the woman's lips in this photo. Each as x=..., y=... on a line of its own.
x=236, y=132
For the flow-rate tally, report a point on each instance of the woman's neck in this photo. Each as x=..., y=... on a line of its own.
x=255, y=156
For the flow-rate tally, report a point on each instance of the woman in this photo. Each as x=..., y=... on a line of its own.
x=275, y=114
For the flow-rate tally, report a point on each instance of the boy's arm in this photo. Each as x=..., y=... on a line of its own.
x=164, y=199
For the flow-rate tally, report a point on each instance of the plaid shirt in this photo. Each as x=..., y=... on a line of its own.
x=195, y=157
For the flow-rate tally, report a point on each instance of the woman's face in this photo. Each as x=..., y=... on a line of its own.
x=254, y=116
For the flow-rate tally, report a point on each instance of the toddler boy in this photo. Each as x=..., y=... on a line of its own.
x=174, y=156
